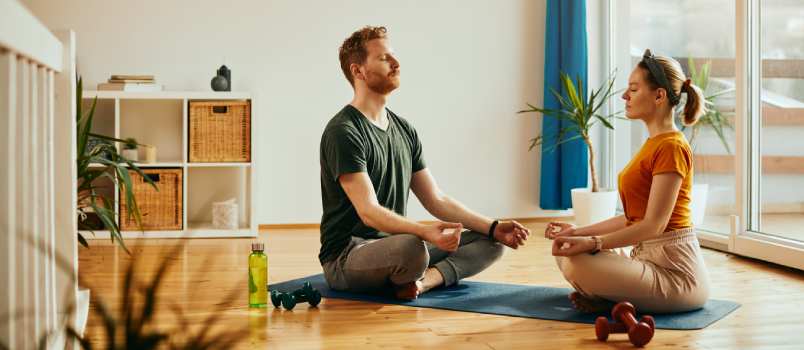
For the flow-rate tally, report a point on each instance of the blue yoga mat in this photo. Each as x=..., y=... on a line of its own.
x=514, y=300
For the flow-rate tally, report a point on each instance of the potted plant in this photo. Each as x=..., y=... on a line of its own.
x=96, y=208
x=712, y=119
x=130, y=151
x=593, y=204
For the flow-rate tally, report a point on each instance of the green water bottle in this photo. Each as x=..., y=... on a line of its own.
x=257, y=276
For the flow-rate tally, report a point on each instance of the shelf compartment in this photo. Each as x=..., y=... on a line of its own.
x=162, y=208
x=219, y=184
x=219, y=131
x=154, y=122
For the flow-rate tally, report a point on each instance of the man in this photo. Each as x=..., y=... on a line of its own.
x=370, y=159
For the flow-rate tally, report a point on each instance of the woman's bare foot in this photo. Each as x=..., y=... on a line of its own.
x=587, y=304
x=408, y=291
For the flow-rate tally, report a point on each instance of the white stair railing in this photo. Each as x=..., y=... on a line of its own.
x=37, y=178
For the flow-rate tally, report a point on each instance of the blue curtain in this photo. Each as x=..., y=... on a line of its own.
x=564, y=167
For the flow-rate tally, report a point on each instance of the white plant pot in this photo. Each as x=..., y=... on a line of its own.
x=82, y=311
x=130, y=154
x=592, y=207
x=700, y=193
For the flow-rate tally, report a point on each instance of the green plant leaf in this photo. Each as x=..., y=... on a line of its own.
x=563, y=141
x=717, y=125
x=572, y=93
x=553, y=113
x=605, y=122
x=84, y=126
x=607, y=93
x=580, y=105
x=127, y=188
x=704, y=76
x=535, y=142
x=691, y=67
x=565, y=104
x=710, y=98
x=108, y=218
x=82, y=240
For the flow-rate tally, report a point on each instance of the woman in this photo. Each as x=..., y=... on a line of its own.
x=665, y=271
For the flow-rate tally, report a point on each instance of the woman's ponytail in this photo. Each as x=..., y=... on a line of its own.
x=695, y=105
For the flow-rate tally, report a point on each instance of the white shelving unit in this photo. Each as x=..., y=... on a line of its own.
x=161, y=119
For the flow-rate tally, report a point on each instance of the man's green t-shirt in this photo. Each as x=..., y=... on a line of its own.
x=351, y=144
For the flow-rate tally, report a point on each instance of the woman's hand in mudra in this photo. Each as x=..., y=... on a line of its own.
x=569, y=246
x=559, y=229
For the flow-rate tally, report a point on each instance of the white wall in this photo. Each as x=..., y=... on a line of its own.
x=467, y=67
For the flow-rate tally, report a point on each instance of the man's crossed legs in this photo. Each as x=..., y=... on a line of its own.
x=407, y=264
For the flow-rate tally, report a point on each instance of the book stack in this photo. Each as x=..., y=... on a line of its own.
x=138, y=83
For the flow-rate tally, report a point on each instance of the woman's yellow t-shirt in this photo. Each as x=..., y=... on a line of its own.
x=663, y=153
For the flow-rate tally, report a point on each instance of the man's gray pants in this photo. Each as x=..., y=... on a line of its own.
x=374, y=264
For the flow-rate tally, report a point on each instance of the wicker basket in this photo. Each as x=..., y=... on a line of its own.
x=160, y=210
x=220, y=131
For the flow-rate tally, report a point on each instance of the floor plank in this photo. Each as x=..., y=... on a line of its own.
x=204, y=271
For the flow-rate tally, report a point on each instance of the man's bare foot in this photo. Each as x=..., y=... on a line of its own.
x=587, y=304
x=408, y=291
x=432, y=279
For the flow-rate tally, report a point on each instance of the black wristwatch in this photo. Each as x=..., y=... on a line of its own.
x=491, y=230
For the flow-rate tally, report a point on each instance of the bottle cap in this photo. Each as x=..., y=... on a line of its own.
x=257, y=246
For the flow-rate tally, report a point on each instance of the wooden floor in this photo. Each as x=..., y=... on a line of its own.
x=206, y=270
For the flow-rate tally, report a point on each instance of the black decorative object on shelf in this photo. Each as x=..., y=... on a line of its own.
x=226, y=73
x=219, y=83
x=223, y=80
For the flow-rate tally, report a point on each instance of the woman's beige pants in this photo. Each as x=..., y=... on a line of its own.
x=666, y=274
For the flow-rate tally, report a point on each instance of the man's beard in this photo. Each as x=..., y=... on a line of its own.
x=382, y=84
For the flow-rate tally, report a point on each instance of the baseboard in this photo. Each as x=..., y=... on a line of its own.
x=290, y=226
x=542, y=219
x=713, y=241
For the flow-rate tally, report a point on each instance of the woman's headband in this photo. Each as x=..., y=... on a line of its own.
x=658, y=72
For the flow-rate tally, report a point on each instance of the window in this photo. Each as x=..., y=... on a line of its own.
x=750, y=153
x=683, y=30
x=781, y=187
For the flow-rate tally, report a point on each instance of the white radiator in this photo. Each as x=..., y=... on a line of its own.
x=37, y=178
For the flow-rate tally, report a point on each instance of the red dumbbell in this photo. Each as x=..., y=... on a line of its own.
x=639, y=333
